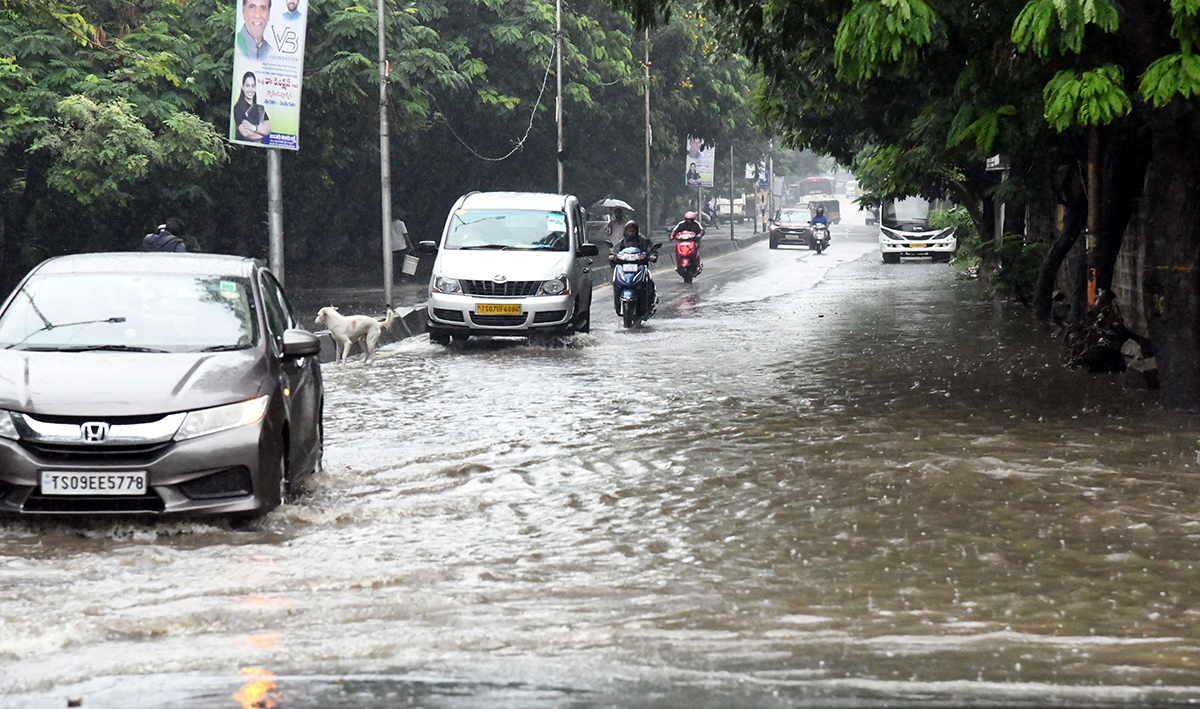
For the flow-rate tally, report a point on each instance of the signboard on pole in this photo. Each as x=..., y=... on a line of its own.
x=701, y=159
x=268, y=68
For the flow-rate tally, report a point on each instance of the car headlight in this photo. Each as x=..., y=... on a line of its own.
x=946, y=234
x=558, y=286
x=891, y=234
x=441, y=284
x=221, y=418
x=7, y=429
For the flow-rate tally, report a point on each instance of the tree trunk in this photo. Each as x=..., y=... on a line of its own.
x=1043, y=291
x=1124, y=176
x=1172, y=268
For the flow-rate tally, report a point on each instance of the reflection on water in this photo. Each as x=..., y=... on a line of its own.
x=863, y=484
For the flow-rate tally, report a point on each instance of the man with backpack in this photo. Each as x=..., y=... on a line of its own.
x=167, y=238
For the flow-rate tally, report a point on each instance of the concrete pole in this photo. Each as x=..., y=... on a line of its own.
x=385, y=168
x=275, y=212
x=646, y=218
x=558, y=104
x=1093, y=216
x=731, y=190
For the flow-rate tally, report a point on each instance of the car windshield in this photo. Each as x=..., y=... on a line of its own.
x=795, y=216
x=508, y=229
x=134, y=312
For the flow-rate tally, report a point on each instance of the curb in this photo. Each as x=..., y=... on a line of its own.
x=410, y=321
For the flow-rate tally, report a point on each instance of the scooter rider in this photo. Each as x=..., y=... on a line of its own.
x=819, y=217
x=689, y=223
x=633, y=238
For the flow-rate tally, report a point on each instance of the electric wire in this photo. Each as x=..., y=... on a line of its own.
x=529, y=129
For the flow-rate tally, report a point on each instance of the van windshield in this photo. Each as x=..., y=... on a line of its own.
x=910, y=211
x=508, y=229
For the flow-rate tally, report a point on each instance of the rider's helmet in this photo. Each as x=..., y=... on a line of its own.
x=631, y=228
x=690, y=215
x=820, y=212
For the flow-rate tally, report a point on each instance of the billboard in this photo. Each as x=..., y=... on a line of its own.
x=698, y=170
x=268, y=68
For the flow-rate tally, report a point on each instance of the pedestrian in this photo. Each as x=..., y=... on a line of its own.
x=401, y=244
x=168, y=237
x=615, y=229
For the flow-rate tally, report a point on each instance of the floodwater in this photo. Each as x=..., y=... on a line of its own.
x=811, y=480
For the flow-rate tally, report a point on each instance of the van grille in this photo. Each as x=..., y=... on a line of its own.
x=498, y=320
x=506, y=289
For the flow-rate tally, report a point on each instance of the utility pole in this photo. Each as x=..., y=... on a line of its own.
x=385, y=170
x=558, y=104
x=275, y=213
x=731, y=191
x=649, y=135
x=1093, y=216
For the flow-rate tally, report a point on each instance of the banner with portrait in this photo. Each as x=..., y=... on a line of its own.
x=268, y=69
x=700, y=163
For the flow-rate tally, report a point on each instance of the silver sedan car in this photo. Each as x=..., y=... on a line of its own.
x=154, y=384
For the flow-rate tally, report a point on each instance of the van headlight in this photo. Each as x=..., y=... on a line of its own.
x=558, y=286
x=441, y=284
x=221, y=418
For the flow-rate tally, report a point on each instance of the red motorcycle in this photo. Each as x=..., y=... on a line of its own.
x=687, y=254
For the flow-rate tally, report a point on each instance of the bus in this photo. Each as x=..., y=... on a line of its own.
x=820, y=192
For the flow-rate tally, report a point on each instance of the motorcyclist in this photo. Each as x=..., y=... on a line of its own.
x=689, y=223
x=819, y=217
x=633, y=238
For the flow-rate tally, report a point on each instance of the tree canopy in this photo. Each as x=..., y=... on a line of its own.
x=115, y=116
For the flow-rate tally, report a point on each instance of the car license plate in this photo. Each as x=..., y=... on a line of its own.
x=918, y=245
x=498, y=309
x=629, y=267
x=58, y=482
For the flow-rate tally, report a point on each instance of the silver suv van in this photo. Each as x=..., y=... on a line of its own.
x=510, y=263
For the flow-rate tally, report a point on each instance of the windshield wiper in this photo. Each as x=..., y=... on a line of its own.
x=103, y=348
x=50, y=326
x=222, y=348
x=497, y=247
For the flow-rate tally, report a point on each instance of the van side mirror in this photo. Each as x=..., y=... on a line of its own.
x=588, y=249
x=427, y=247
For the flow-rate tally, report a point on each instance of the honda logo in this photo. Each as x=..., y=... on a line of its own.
x=94, y=431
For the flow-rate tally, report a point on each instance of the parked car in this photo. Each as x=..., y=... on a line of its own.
x=791, y=227
x=510, y=263
x=154, y=384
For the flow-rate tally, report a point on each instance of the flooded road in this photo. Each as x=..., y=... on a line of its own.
x=810, y=480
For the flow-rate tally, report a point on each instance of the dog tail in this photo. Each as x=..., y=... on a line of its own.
x=387, y=321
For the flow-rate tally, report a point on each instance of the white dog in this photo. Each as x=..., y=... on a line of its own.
x=346, y=330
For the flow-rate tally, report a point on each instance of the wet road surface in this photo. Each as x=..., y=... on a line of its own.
x=810, y=480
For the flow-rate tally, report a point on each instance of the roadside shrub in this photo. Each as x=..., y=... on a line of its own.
x=969, y=251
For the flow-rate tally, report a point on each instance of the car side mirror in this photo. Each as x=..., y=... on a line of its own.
x=588, y=249
x=427, y=247
x=300, y=343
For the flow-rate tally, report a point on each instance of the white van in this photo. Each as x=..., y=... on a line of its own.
x=905, y=231
x=510, y=264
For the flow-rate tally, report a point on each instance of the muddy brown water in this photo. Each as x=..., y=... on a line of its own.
x=809, y=481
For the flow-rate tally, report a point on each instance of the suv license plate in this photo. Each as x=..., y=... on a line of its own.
x=918, y=245
x=498, y=309
x=57, y=482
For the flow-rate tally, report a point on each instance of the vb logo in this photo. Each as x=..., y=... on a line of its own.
x=288, y=41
